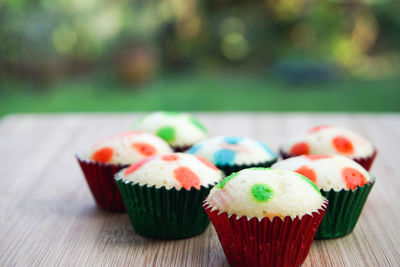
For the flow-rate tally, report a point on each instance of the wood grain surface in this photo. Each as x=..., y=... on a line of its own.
x=48, y=216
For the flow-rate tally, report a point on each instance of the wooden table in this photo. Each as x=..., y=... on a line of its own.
x=48, y=216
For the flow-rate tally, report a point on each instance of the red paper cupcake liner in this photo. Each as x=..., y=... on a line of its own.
x=276, y=242
x=100, y=179
x=365, y=162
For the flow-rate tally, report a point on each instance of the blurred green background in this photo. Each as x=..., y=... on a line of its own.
x=139, y=55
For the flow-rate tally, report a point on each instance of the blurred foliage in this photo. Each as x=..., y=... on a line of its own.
x=194, y=92
x=287, y=55
x=45, y=39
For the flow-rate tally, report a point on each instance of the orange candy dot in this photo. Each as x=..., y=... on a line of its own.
x=300, y=149
x=206, y=162
x=317, y=157
x=318, y=128
x=145, y=149
x=307, y=172
x=132, y=168
x=103, y=155
x=342, y=145
x=170, y=157
x=187, y=178
x=353, y=178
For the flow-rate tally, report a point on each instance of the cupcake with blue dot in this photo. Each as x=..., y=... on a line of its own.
x=233, y=153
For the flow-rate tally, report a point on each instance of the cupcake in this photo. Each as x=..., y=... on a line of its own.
x=163, y=195
x=331, y=140
x=345, y=183
x=265, y=217
x=232, y=153
x=102, y=160
x=179, y=130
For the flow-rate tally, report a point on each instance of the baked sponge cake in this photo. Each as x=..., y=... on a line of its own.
x=331, y=140
x=234, y=153
x=180, y=130
x=265, y=217
x=163, y=195
x=127, y=148
x=175, y=170
x=106, y=157
x=345, y=183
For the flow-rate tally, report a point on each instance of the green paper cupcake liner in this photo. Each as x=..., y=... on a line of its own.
x=229, y=169
x=182, y=149
x=164, y=213
x=344, y=209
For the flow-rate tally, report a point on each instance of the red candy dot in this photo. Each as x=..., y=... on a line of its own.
x=136, y=166
x=103, y=155
x=144, y=149
x=318, y=128
x=207, y=163
x=187, y=178
x=317, y=157
x=342, y=145
x=353, y=178
x=307, y=172
x=300, y=149
x=170, y=157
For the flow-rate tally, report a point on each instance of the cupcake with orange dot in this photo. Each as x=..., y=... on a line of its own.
x=102, y=160
x=345, y=183
x=163, y=195
x=179, y=129
x=265, y=217
x=331, y=140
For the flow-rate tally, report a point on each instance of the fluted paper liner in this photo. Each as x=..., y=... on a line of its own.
x=277, y=242
x=100, y=179
x=344, y=209
x=181, y=149
x=164, y=213
x=366, y=162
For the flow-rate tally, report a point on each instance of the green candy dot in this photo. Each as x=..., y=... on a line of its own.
x=261, y=192
x=167, y=133
x=308, y=181
x=198, y=124
x=221, y=184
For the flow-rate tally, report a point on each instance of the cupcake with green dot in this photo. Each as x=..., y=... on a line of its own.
x=345, y=183
x=163, y=195
x=180, y=130
x=265, y=217
x=233, y=153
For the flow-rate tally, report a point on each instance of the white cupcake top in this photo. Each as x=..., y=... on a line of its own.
x=328, y=171
x=173, y=170
x=329, y=140
x=127, y=148
x=260, y=192
x=233, y=150
x=178, y=129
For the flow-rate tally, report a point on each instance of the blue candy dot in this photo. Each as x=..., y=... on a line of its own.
x=266, y=148
x=233, y=140
x=194, y=149
x=224, y=157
